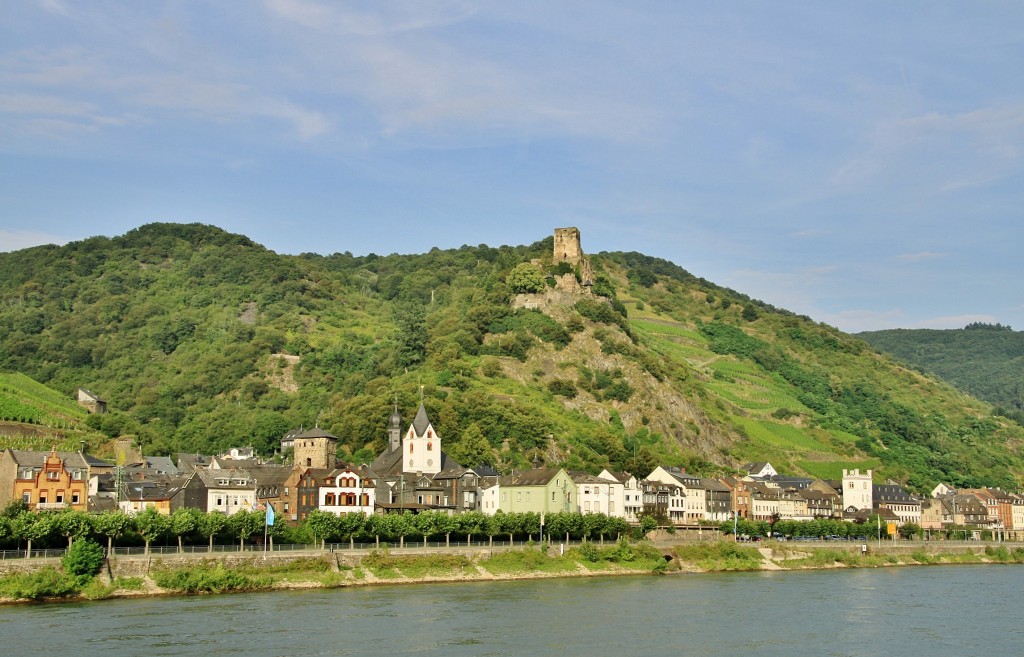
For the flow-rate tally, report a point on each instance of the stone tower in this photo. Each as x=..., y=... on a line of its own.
x=567, y=249
x=567, y=246
x=857, y=490
x=316, y=449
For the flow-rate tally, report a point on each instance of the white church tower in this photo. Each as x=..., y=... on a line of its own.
x=422, y=446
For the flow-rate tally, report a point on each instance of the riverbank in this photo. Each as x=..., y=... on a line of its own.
x=27, y=582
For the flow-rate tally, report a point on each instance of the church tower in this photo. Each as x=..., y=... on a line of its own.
x=422, y=446
x=395, y=431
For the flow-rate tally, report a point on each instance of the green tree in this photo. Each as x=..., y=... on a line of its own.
x=184, y=522
x=151, y=525
x=322, y=525
x=525, y=278
x=244, y=524
x=30, y=527
x=472, y=448
x=113, y=525
x=211, y=524
x=71, y=524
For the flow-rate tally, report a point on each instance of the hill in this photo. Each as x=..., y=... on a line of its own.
x=201, y=340
x=984, y=360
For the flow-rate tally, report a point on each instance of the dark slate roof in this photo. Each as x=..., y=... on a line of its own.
x=387, y=463
x=162, y=464
x=536, y=477
x=316, y=432
x=420, y=423
x=192, y=461
x=37, y=459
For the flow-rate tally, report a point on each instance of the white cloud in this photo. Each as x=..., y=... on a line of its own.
x=918, y=257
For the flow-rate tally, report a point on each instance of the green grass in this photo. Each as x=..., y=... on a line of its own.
x=206, y=578
x=719, y=556
x=48, y=582
x=528, y=560
x=783, y=436
x=834, y=469
x=387, y=566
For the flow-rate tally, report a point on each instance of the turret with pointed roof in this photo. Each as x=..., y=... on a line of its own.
x=422, y=445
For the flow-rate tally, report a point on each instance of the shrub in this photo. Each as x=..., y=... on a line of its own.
x=83, y=559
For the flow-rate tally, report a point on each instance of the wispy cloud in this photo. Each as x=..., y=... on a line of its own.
x=918, y=257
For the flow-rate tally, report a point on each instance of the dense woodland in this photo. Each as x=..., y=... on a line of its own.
x=201, y=340
x=985, y=360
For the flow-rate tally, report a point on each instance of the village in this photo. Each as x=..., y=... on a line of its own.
x=414, y=475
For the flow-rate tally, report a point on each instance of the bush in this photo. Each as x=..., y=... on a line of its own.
x=46, y=583
x=83, y=559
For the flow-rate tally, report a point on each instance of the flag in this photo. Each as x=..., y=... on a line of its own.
x=270, y=514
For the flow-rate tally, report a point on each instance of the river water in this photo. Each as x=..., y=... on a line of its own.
x=913, y=611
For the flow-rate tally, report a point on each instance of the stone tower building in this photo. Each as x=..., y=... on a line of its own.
x=316, y=449
x=567, y=246
x=567, y=249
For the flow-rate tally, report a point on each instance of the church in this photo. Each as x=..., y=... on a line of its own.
x=414, y=474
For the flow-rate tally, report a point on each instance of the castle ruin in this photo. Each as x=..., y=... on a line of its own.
x=568, y=250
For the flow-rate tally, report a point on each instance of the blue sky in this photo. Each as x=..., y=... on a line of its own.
x=860, y=163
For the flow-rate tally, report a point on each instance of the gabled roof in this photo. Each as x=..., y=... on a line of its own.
x=536, y=477
x=36, y=459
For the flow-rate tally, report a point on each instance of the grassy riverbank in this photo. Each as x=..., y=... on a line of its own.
x=335, y=570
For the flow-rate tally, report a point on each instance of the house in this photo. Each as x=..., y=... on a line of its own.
x=740, y=496
x=822, y=504
x=539, y=490
x=48, y=480
x=228, y=491
x=664, y=501
x=594, y=494
x=461, y=487
x=764, y=501
x=936, y=514
x=627, y=500
x=892, y=496
x=759, y=470
x=91, y=402
x=694, y=493
x=346, y=490
x=718, y=500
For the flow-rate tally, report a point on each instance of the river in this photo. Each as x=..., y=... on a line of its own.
x=892, y=612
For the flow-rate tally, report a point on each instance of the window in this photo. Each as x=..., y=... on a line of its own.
x=410, y=447
x=75, y=498
x=26, y=497
x=77, y=475
x=220, y=501
x=52, y=475
x=285, y=490
x=552, y=496
x=42, y=497
x=430, y=447
x=60, y=497
x=519, y=497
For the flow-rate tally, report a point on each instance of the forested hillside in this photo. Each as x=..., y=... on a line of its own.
x=201, y=340
x=985, y=360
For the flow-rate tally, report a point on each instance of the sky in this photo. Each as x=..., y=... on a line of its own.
x=860, y=163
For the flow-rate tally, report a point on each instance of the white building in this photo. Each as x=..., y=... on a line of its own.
x=347, y=491
x=856, y=489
